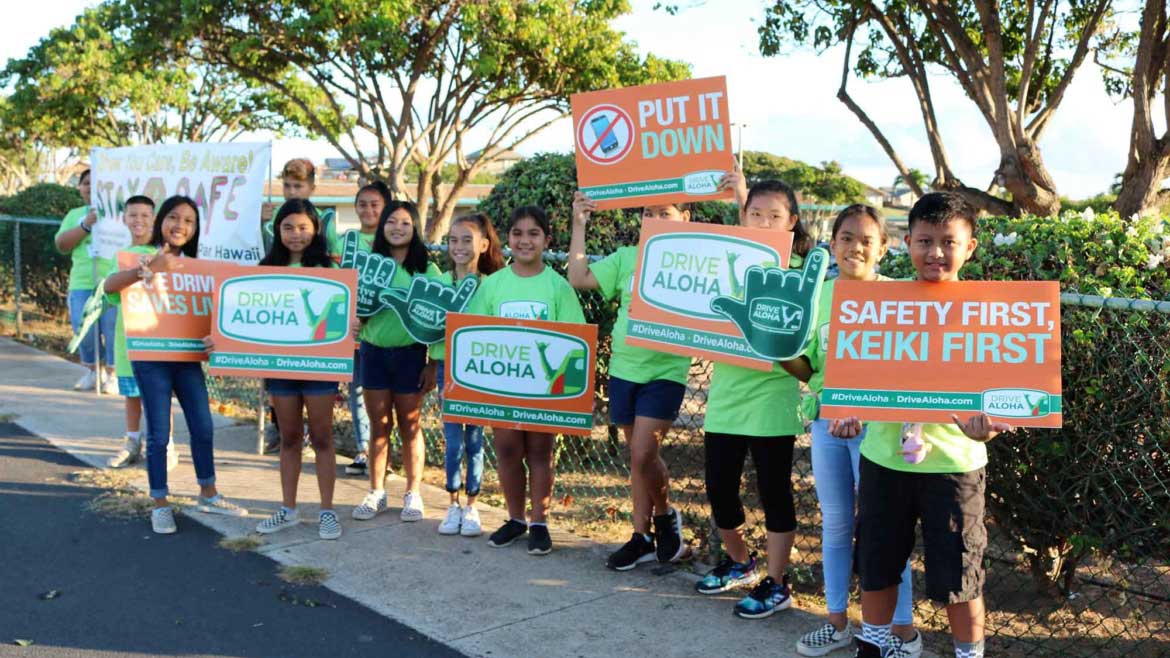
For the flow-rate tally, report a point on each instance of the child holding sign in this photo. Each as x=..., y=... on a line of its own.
x=646, y=389
x=755, y=411
x=473, y=249
x=859, y=241
x=299, y=243
x=176, y=236
x=940, y=483
x=392, y=367
x=531, y=290
x=139, y=219
x=369, y=202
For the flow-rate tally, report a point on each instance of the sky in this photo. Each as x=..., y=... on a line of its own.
x=789, y=106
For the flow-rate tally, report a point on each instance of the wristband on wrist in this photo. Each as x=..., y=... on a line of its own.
x=86, y=227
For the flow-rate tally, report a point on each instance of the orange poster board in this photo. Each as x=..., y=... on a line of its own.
x=168, y=319
x=519, y=374
x=911, y=351
x=289, y=323
x=681, y=268
x=653, y=144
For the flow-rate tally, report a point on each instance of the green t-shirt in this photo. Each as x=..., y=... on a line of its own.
x=384, y=328
x=81, y=272
x=121, y=358
x=438, y=351
x=615, y=275
x=546, y=296
x=751, y=402
x=951, y=450
x=818, y=347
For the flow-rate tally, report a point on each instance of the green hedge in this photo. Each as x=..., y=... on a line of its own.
x=45, y=272
x=1098, y=486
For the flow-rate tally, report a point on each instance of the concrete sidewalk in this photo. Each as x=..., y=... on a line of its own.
x=459, y=591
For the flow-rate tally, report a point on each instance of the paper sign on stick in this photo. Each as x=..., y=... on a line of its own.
x=285, y=323
x=520, y=374
x=168, y=319
x=910, y=351
x=682, y=268
x=653, y=144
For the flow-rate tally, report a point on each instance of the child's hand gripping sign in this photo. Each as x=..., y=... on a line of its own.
x=423, y=307
x=375, y=272
x=779, y=307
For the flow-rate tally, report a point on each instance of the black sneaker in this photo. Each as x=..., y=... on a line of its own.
x=668, y=536
x=508, y=533
x=539, y=541
x=867, y=650
x=358, y=467
x=633, y=553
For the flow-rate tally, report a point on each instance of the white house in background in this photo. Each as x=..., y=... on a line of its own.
x=873, y=196
x=899, y=197
x=500, y=164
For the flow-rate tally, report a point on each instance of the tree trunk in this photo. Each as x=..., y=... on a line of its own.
x=1141, y=184
x=1022, y=172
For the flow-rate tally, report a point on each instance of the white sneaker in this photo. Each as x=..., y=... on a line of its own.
x=130, y=453
x=330, y=527
x=900, y=648
x=162, y=521
x=451, y=524
x=412, y=507
x=826, y=640
x=277, y=522
x=371, y=506
x=172, y=455
x=110, y=385
x=87, y=382
x=471, y=526
x=217, y=504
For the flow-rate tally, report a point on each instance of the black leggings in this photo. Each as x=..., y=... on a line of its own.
x=772, y=457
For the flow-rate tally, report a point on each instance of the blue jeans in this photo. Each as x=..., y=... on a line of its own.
x=462, y=440
x=105, y=326
x=157, y=380
x=357, y=406
x=835, y=464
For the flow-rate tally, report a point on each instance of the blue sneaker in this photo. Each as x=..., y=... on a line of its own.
x=765, y=598
x=728, y=574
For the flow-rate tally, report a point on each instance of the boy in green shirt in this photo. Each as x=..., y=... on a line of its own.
x=933, y=473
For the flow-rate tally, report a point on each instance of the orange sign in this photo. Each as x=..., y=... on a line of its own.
x=911, y=351
x=168, y=319
x=682, y=267
x=654, y=144
x=519, y=374
x=290, y=323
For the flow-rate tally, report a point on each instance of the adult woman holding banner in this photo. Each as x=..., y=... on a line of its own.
x=74, y=240
x=859, y=241
x=392, y=367
x=646, y=390
x=176, y=235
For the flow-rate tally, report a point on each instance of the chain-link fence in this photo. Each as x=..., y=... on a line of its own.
x=1079, y=518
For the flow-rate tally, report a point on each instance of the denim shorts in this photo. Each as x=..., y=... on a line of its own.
x=659, y=399
x=279, y=387
x=128, y=387
x=394, y=369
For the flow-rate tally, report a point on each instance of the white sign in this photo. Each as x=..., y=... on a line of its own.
x=226, y=181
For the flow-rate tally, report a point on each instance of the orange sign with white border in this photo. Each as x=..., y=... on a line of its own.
x=167, y=318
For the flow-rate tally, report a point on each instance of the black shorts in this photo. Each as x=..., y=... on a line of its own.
x=950, y=507
x=659, y=399
x=772, y=456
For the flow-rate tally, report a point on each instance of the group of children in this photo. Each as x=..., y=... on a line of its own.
x=864, y=478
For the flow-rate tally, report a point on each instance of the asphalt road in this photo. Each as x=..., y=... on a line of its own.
x=124, y=591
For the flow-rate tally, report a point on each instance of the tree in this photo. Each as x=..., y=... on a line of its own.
x=1146, y=76
x=86, y=85
x=1013, y=60
x=825, y=184
x=420, y=79
x=914, y=179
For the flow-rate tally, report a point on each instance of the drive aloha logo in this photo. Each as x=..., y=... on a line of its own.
x=520, y=362
x=682, y=273
x=284, y=310
x=1017, y=403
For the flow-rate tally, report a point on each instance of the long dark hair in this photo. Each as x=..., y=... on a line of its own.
x=535, y=213
x=416, y=253
x=491, y=260
x=376, y=186
x=191, y=249
x=316, y=254
x=802, y=242
x=862, y=210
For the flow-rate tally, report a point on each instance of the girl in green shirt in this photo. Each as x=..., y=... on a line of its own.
x=392, y=367
x=531, y=290
x=755, y=411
